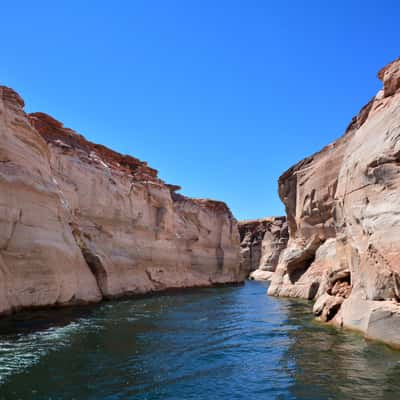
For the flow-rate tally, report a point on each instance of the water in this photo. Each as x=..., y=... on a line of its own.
x=221, y=343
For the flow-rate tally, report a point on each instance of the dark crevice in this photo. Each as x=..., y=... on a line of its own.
x=332, y=311
x=299, y=267
x=93, y=261
x=97, y=268
x=313, y=290
x=219, y=253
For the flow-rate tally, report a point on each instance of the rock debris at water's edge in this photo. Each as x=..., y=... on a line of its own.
x=80, y=222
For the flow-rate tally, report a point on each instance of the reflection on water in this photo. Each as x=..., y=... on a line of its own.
x=225, y=343
x=335, y=364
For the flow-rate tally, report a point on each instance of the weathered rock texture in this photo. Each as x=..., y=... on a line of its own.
x=343, y=207
x=80, y=222
x=261, y=243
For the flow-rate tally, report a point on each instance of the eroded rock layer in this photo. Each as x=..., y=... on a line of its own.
x=261, y=243
x=343, y=207
x=80, y=222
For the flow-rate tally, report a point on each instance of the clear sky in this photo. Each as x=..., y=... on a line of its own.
x=221, y=96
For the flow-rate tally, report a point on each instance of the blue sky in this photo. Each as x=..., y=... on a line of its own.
x=220, y=96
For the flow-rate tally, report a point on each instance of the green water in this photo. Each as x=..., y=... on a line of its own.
x=220, y=343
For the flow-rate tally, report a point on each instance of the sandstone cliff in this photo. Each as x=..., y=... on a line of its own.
x=261, y=243
x=80, y=222
x=344, y=220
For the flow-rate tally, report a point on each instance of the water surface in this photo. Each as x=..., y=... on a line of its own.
x=218, y=343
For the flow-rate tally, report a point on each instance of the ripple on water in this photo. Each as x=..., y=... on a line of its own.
x=22, y=351
x=231, y=342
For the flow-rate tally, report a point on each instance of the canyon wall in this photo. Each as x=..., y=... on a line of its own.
x=261, y=243
x=344, y=220
x=80, y=222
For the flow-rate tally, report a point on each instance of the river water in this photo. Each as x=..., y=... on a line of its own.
x=219, y=343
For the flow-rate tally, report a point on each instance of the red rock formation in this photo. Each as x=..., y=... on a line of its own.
x=344, y=218
x=261, y=243
x=40, y=263
x=54, y=132
x=79, y=222
x=308, y=190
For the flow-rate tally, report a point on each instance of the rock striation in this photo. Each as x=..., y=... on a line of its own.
x=261, y=243
x=343, y=210
x=80, y=222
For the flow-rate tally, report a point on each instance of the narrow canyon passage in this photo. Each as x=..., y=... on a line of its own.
x=215, y=343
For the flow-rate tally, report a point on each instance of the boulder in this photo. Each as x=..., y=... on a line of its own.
x=260, y=275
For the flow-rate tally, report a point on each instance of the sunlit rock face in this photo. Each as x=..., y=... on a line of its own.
x=368, y=212
x=40, y=263
x=345, y=200
x=261, y=243
x=79, y=222
x=308, y=190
